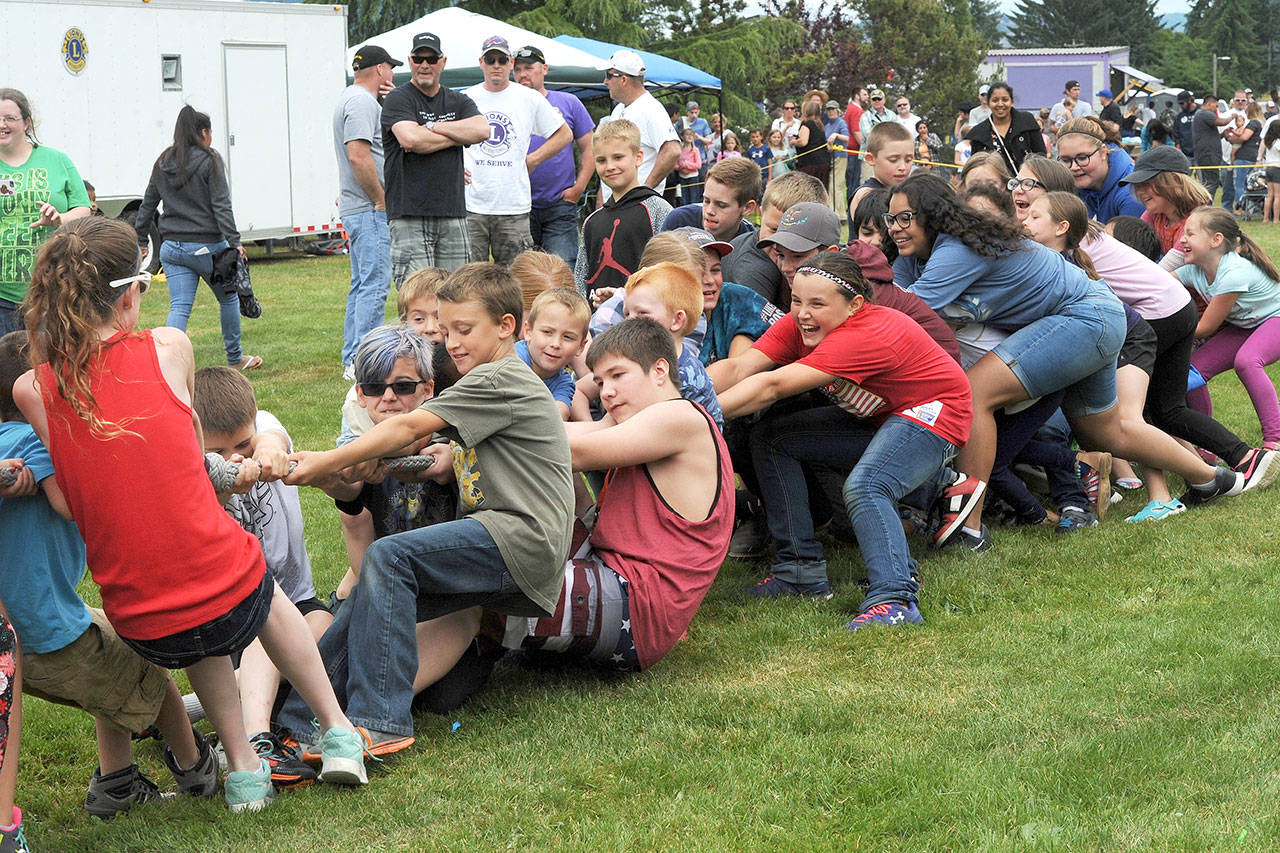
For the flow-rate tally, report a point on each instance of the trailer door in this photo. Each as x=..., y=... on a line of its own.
x=257, y=88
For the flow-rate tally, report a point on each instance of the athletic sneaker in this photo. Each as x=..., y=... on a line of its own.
x=376, y=743
x=966, y=538
x=751, y=539
x=1073, y=518
x=954, y=506
x=120, y=791
x=1259, y=468
x=341, y=758
x=349, y=373
x=12, y=840
x=287, y=769
x=772, y=587
x=1226, y=484
x=200, y=780
x=250, y=790
x=1156, y=510
x=887, y=613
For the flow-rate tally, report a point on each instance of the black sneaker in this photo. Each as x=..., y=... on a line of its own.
x=966, y=538
x=287, y=769
x=200, y=780
x=1226, y=484
x=13, y=840
x=1260, y=467
x=120, y=791
x=751, y=539
x=772, y=587
x=1073, y=518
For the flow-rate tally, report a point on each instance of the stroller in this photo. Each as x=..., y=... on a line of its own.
x=1255, y=195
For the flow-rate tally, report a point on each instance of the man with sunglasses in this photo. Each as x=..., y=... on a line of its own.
x=499, y=195
x=659, y=145
x=425, y=126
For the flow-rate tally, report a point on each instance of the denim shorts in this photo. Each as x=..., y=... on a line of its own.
x=1074, y=350
x=230, y=633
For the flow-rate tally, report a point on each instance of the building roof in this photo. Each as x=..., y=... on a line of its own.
x=1057, y=51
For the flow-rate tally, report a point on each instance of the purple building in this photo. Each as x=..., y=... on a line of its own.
x=1037, y=75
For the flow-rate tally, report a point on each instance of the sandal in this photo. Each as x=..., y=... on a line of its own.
x=249, y=362
x=1157, y=510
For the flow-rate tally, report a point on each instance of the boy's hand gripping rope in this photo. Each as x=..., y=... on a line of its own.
x=223, y=474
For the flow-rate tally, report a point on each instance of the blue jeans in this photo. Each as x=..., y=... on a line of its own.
x=888, y=462
x=183, y=269
x=10, y=318
x=369, y=242
x=555, y=229
x=370, y=650
x=1241, y=175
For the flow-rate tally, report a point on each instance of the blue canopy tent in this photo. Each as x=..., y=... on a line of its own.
x=661, y=73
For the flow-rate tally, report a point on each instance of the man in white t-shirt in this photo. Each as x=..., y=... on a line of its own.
x=1082, y=107
x=499, y=196
x=659, y=145
x=788, y=122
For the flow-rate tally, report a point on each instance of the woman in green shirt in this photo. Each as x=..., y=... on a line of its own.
x=39, y=190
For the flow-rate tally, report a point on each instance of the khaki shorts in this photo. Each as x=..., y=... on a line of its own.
x=99, y=674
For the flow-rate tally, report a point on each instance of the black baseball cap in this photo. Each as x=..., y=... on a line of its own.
x=1161, y=158
x=529, y=53
x=371, y=55
x=427, y=41
x=1184, y=96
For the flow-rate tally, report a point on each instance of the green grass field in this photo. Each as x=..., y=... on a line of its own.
x=1113, y=689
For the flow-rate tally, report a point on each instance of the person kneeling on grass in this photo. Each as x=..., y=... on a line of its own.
x=664, y=516
x=902, y=409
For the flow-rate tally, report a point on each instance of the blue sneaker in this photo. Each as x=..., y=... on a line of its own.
x=247, y=790
x=341, y=758
x=1157, y=510
x=1074, y=518
x=887, y=613
x=772, y=587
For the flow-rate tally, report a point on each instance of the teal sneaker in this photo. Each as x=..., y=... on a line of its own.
x=342, y=758
x=248, y=790
x=1157, y=510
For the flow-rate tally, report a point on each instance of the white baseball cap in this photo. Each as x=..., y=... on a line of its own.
x=626, y=61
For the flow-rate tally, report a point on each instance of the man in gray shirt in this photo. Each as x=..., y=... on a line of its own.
x=357, y=141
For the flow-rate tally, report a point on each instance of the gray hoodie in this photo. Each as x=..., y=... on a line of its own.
x=197, y=201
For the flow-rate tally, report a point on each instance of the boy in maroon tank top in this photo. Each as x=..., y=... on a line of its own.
x=665, y=514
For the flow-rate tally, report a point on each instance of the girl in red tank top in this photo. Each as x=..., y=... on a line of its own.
x=182, y=583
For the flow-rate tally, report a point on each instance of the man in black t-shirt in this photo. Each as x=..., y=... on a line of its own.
x=424, y=128
x=1208, y=147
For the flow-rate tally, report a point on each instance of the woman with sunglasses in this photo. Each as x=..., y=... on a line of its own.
x=1013, y=134
x=40, y=189
x=1065, y=333
x=189, y=179
x=1091, y=150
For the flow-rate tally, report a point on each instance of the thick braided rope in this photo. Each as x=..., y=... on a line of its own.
x=8, y=476
x=223, y=473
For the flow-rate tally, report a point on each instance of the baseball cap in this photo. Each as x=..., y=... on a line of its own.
x=806, y=226
x=1071, y=84
x=877, y=93
x=1103, y=93
x=626, y=61
x=1184, y=96
x=426, y=41
x=371, y=55
x=1162, y=158
x=529, y=53
x=497, y=43
x=705, y=239
x=984, y=89
x=833, y=104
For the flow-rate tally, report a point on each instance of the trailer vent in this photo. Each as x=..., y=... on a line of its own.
x=171, y=73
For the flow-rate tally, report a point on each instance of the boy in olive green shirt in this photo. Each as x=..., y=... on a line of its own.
x=510, y=457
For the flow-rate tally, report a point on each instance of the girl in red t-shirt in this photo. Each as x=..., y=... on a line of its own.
x=901, y=408
x=183, y=584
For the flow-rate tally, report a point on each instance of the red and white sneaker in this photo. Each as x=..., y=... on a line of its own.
x=954, y=506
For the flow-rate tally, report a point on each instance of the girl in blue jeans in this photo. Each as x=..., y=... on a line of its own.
x=901, y=409
x=196, y=220
x=1066, y=331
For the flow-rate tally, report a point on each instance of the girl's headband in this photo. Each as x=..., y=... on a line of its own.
x=841, y=283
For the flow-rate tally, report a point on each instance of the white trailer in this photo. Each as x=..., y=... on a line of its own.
x=106, y=79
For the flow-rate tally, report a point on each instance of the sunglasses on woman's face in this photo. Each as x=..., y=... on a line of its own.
x=401, y=388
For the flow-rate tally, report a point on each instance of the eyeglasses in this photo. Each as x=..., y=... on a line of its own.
x=142, y=277
x=613, y=75
x=900, y=106
x=401, y=388
x=498, y=59
x=876, y=98
x=430, y=59
x=1025, y=183
x=11, y=119
x=1080, y=159
x=789, y=106
x=902, y=220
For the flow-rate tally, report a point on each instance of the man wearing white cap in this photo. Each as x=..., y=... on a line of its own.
x=981, y=112
x=499, y=196
x=624, y=77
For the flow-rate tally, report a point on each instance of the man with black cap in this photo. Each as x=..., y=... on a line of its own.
x=362, y=205
x=499, y=194
x=1183, y=123
x=425, y=126
x=556, y=185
